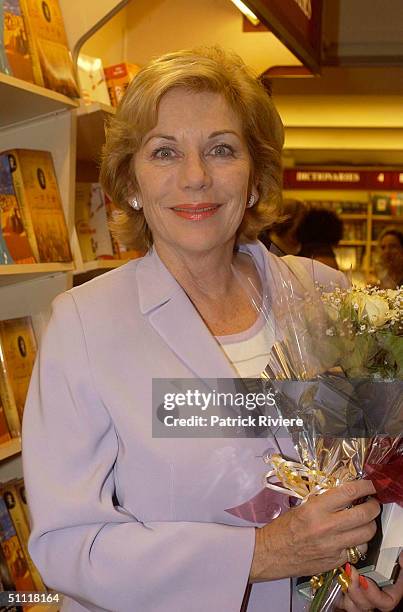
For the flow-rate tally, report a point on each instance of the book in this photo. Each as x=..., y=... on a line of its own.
x=16, y=512
x=118, y=78
x=16, y=44
x=4, y=430
x=14, y=243
x=50, y=52
x=14, y=555
x=20, y=488
x=36, y=188
x=18, y=350
x=92, y=80
x=4, y=65
x=92, y=222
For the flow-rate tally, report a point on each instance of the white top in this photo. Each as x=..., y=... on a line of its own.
x=249, y=351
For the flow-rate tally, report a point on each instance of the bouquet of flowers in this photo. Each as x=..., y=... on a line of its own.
x=336, y=363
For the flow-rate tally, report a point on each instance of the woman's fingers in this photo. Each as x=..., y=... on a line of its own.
x=343, y=496
x=364, y=594
x=350, y=518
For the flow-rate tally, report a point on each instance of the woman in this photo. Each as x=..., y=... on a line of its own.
x=123, y=521
x=390, y=244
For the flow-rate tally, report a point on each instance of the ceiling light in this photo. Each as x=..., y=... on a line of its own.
x=246, y=11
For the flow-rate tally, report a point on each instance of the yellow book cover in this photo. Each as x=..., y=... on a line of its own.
x=16, y=512
x=51, y=48
x=37, y=191
x=11, y=225
x=18, y=347
x=4, y=431
x=8, y=401
x=16, y=43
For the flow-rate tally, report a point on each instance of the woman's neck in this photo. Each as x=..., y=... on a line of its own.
x=205, y=273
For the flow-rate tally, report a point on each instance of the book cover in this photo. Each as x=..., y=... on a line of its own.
x=37, y=191
x=16, y=43
x=92, y=79
x=50, y=45
x=18, y=347
x=118, y=78
x=20, y=487
x=4, y=430
x=92, y=222
x=16, y=512
x=14, y=243
x=4, y=65
x=14, y=555
x=8, y=401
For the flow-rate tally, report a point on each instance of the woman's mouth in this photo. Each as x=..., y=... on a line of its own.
x=196, y=212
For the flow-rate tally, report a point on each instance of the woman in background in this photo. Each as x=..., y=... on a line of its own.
x=390, y=244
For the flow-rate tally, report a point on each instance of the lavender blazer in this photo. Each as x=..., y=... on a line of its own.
x=173, y=542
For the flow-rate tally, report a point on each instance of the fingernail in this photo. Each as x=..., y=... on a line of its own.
x=363, y=582
x=348, y=569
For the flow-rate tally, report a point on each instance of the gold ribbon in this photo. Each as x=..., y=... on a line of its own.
x=297, y=479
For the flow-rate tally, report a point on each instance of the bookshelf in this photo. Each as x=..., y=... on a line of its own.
x=22, y=101
x=9, y=449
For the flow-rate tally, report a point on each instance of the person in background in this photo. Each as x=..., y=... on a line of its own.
x=390, y=244
x=319, y=232
x=281, y=239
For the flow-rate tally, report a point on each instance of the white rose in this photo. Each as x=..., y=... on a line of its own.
x=377, y=310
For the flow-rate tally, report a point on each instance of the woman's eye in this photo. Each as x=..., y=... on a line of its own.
x=222, y=151
x=163, y=153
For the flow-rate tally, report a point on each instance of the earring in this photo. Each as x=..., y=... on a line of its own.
x=134, y=203
x=251, y=201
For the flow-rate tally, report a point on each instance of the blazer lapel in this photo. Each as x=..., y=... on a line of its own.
x=176, y=320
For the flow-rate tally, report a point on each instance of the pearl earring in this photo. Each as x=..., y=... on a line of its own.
x=251, y=201
x=134, y=203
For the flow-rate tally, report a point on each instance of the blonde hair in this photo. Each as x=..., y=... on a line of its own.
x=204, y=69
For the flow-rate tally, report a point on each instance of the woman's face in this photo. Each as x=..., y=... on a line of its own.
x=391, y=251
x=193, y=171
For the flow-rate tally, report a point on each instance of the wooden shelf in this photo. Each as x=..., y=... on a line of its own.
x=101, y=264
x=21, y=101
x=352, y=243
x=91, y=130
x=390, y=218
x=353, y=216
x=14, y=273
x=10, y=448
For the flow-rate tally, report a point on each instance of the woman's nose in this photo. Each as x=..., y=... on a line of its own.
x=193, y=173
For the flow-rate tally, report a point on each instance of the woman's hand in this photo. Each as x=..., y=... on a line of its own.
x=314, y=537
x=363, y=594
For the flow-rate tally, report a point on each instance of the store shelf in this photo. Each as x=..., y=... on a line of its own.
x=21, y=101
x=8, y=449
x=10, y=274
x=352, y=243
x=102, y=264
x=91, y=130
x=389, y=218
x=353, y=216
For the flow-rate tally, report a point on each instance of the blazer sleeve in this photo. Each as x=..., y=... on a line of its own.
x=83, y=545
